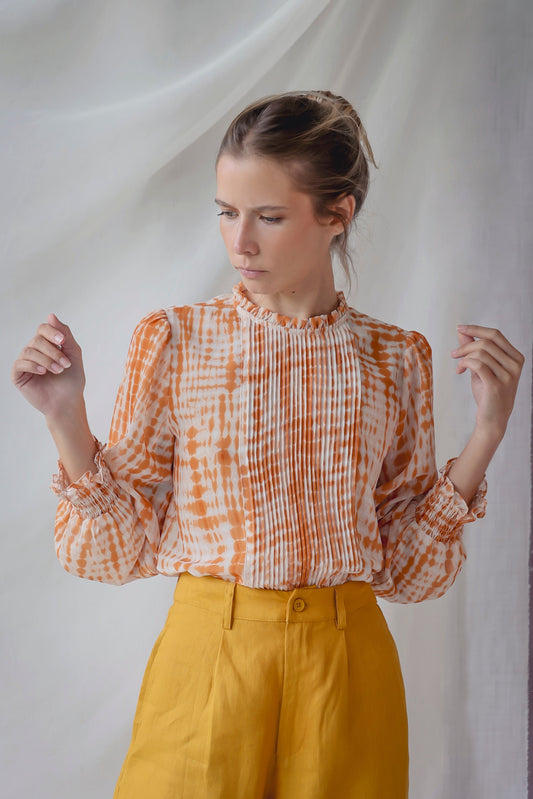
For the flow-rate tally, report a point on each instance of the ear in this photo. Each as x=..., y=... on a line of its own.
x=345, y=207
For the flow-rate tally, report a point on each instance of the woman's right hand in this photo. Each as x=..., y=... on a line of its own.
x=41, y=372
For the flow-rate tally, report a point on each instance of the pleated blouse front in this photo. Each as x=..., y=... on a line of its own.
x=272, y=451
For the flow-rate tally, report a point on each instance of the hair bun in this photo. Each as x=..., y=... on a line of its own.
x=346, y=109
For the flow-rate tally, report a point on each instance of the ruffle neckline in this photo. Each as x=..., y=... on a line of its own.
x=267, y=316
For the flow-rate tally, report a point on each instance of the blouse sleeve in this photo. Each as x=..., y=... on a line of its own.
x=420, y=513
x=108, y=524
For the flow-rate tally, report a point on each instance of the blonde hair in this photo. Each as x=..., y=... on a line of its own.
x=320, y=138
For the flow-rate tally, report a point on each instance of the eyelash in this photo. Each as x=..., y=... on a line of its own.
x=270, y=220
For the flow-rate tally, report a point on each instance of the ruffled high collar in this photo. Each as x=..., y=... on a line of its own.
x=269, y=317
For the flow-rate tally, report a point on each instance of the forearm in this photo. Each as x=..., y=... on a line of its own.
x=468, y=469
x=74, y=441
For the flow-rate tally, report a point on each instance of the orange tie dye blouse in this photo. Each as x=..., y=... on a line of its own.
x=271, y=451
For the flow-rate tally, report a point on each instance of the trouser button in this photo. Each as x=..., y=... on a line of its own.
x=299, y=604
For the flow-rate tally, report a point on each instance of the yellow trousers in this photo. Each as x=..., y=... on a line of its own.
x=255, y=693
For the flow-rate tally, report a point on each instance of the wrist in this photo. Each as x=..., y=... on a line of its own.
x=72, y=416
x=490, y=435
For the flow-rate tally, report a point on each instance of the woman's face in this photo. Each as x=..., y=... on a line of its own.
x=270, y=228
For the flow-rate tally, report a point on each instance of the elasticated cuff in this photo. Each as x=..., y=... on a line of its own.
x=444, y=511
x=91, y=494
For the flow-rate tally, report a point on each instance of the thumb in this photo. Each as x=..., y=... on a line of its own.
x=464, y=338
x=68, y=338
x=55, y=322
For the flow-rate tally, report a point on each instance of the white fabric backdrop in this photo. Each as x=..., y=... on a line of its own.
x=112, y=114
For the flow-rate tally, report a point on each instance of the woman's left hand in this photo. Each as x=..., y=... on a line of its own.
x=495, y=367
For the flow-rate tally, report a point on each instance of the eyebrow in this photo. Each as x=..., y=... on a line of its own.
x=258, y=208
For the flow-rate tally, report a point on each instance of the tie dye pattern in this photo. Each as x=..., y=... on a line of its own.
x=271, y=451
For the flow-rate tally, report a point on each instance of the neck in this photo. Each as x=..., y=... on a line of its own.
x=297, y=302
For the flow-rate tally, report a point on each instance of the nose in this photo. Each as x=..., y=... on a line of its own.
x=244, y=242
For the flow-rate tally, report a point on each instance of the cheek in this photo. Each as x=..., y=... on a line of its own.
x=226, y=235
x=298, y=242
x=287, y=238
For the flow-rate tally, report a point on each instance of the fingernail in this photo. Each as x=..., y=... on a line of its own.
x=64, y=362
x=454, y=352
x=461, y=327
x=59, y=337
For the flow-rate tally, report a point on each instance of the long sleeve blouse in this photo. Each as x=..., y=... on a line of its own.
x=271, y=451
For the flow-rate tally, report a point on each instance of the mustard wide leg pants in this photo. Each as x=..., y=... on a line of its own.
x=255, y=693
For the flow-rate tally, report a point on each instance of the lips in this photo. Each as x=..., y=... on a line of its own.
x=250, y=271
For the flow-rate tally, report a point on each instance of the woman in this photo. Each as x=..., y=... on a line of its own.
x=274, y=448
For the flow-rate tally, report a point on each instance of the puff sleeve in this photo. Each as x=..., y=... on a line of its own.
x=420, y=514
x=108, y=524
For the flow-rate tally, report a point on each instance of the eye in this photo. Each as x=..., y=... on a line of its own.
x=229, y=214
x=271, y=220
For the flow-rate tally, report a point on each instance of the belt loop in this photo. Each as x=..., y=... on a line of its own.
x=228, y=605
x=340, y=620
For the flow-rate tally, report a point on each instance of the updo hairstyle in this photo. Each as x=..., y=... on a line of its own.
x=319, y=137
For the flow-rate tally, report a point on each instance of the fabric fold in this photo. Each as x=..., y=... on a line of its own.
x=92, y=493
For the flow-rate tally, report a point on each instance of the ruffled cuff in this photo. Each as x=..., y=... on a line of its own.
x=91, y=494
x=444, y=511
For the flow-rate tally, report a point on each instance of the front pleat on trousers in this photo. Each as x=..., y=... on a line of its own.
x=255, y=693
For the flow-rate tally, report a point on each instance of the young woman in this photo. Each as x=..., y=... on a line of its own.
x=273, y=448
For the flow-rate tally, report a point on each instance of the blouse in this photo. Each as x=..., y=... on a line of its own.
x=271, y=451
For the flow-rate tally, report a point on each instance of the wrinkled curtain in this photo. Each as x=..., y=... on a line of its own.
x=112, y=112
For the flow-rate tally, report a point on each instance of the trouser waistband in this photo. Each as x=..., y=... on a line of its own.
x=306, y=604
